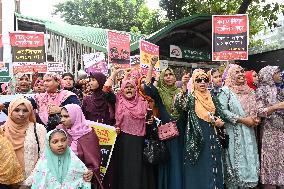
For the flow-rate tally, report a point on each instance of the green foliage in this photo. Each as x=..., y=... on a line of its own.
x=261, y=13
x=124, y=15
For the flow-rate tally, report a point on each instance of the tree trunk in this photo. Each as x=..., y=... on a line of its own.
x=244, y=6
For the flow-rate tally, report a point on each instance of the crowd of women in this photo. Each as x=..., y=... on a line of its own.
x=229, y=130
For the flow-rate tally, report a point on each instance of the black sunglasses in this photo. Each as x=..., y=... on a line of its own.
x=199, y=80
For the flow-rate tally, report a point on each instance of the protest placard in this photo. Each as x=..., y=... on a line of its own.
x=107, y=137
x=229, y=37
x=147, y=51
x=98, y=67
x=119, y=49
x=29, y=67
x=57, y=67
x=28, y=47
x=95, y=62
x=93, y=58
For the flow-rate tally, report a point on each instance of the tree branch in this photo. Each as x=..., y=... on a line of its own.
x=244, y=6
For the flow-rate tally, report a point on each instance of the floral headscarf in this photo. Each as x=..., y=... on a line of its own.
x=56, y=77
x=267, y=86
x=59, y=171
x=266, y=75
x=14, y=84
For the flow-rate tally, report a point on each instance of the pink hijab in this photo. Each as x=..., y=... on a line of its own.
x=244, y=93
x=79, y=125
x=137, y=107
x=45, y=99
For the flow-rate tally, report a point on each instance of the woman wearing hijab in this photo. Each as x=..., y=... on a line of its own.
x=99, y=106
x=151, y=129
x=20, y=84
x=83, y=139
x=38, y=86
x=51, y=102
x=252, y=79
x=241, y=163
x=215, y=79
x=26, y=136
x=11, y=171
x=68, y=82
x=130, y=111
x=270, y=102
x=202, y=154
x=170, y=173
x=59, y=167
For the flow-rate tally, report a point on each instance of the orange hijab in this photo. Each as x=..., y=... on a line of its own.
x=16, y=133
x=203, y=100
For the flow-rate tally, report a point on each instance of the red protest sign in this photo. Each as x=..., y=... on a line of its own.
x=119, y=49
x=29, y=67
x=26, y=39
x=28, y=47
x=229, y=37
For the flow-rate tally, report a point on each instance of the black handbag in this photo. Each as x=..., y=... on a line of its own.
x=223, y=137
x=155, y=152
x=53, y=121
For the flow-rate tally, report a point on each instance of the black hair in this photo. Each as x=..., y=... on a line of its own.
x=213, y=70
x=68, y=74
x=57, y=131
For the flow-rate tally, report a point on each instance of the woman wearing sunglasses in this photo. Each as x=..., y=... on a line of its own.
x=238, y=100
x=202, y=155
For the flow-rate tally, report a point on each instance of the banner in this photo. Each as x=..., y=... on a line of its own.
x=147, y=51
x=29, y=67
x=119, y=49
x=188, y=53
x=107, y=137
x=57, y=67
x=28, y=47
x=230, y=37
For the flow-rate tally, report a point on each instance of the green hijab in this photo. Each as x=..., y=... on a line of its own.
x=167, y=93
x=59, y=171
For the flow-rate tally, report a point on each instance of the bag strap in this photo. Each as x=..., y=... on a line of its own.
x=97, y=178
x=37, y=141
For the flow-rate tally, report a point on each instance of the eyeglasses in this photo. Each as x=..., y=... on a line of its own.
x=199, y=80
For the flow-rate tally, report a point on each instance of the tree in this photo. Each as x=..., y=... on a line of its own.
x=124, y=15
x=261, y=14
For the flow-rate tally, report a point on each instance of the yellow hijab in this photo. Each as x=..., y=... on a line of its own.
x=203, y=100
x=11, y=171
x=16, y=133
